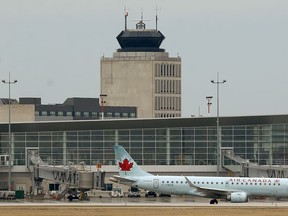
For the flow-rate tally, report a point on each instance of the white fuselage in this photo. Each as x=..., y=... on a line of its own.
x=178, y=185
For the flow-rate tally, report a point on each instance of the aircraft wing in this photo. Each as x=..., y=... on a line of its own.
x=119, y=179
x=211, y=190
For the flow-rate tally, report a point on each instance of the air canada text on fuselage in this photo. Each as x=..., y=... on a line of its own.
x=254, y=180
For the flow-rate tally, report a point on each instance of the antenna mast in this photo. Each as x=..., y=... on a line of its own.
x=156, y=18
x=126, y=15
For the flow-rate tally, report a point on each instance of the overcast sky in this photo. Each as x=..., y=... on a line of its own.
x=53, y=48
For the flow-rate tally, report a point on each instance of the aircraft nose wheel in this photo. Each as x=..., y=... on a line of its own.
x=214, y=202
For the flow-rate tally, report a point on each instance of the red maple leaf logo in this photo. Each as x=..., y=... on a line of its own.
x=125, y=165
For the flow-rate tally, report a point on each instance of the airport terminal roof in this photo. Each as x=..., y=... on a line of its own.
x=107, y=124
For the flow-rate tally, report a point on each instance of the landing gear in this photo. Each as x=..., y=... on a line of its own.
x=214, y=202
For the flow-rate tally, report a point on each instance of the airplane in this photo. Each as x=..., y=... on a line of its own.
x=234, y=189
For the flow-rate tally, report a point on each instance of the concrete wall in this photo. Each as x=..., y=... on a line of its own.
x=19, y=113
x=128, y=79
x=53, y=118
x=129, y=84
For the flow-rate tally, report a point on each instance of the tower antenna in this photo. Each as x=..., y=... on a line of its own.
x=141, y=24
x=156, y=18
x=126, y=15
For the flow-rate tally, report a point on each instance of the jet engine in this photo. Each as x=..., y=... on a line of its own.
x=237, y=197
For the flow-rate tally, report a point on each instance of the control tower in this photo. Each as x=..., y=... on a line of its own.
x=142, y=74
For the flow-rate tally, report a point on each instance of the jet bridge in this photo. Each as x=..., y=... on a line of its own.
x=245, y=168
x=270, y=171
x=236, y=164
x=69, y=175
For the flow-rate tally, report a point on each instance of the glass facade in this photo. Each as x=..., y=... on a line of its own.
x=263, y=144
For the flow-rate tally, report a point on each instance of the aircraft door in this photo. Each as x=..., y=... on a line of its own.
x=155, y=183
x=227, y=184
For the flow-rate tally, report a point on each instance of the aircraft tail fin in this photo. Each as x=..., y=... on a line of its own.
x=127, y=166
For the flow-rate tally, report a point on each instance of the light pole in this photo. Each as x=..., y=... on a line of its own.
x=9, y=82
x=102, y=97
x=217, y=121
x=209, y=98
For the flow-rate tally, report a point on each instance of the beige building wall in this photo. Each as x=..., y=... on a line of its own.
x=19, y=113
x=134, y=79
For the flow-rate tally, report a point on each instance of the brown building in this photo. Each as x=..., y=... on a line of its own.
x=143, y=75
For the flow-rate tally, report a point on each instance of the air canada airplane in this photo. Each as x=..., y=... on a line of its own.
x=234, y=189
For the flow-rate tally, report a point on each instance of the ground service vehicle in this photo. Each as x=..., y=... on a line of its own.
x=150, y=194
x=117, y=192
x=134, y=192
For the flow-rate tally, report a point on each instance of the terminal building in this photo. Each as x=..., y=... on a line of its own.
x=79, y=109
x=31, y=109
x=179, y=146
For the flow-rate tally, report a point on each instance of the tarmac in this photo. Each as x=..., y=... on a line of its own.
x=177, y=201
